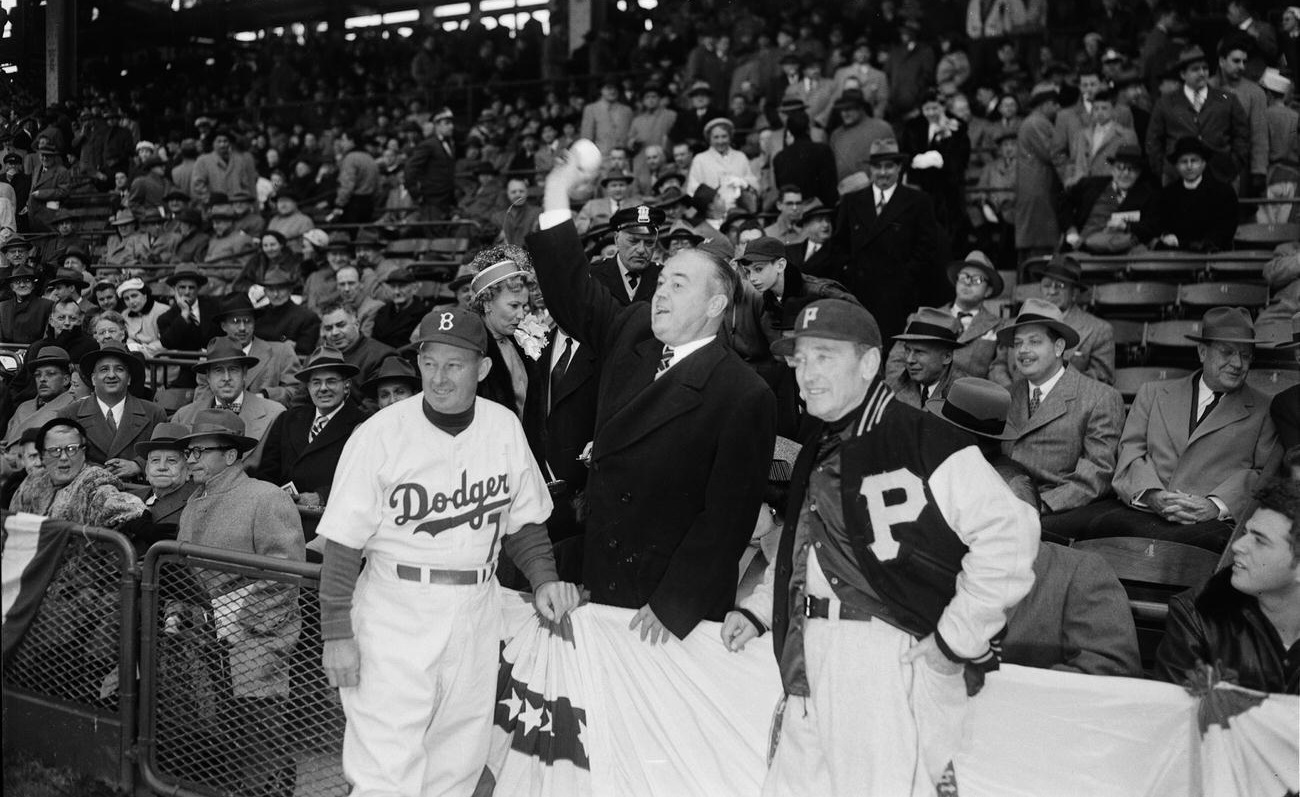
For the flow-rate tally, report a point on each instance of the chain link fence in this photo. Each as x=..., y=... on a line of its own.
x=79, y=655
x=233, y=698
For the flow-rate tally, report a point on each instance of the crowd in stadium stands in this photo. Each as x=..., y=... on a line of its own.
x=913, y=158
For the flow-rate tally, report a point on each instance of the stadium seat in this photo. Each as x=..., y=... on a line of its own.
x=1009, y=278
x=1101, y=269
x=1172, y=266
x=1265, y=236
x=1272, y=381
x=1239, y=266
x=1202, y=295
x=1168, y=346
x=445, y=248
x=1027, y=290
x=1135, y=300
x=1152, y=572
x=408, y=246
x=1129, y=336
x=1129, y=380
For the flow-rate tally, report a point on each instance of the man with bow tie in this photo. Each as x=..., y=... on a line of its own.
x=226, y=369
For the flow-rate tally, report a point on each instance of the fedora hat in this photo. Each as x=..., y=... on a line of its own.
x=1128, y=153
x=134, y=365
x=70, y=276
x=815, y=207
x=1191, y=145
x=190, y=216
x=16, y=241
x=681, y=231
x=327, y=358
x=24, y=271
x=1040, y=311
x=186, y=271
x=616, y=177
x=233, y=305
x=1226, y=325
x=223, y=350
x=978, y=406
x=401, y=276
x=276, y=277
x=886, y=149
x=979, y=260
x=720, y=121
x=1273, y=80
x=219, y=423
x=464, y=276
x=670, y=176
x=177, y=194
x=47, y=148
x=671, y=196
x=393, y=368
x=166, y=437
x=1189, y=56
x=51, y=355
x=77, y=252
x=932, y=325
x=1044, y=92
x=851, y=98
x=700, y=87
x=122, y=217
x=1061, y=267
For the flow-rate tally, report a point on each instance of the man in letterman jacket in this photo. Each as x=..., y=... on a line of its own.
x=901, y=553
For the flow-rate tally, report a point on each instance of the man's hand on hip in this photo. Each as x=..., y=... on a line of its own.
x=928, y=650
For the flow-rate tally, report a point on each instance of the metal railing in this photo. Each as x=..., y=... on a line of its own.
x=70, y=690
x=232, y=696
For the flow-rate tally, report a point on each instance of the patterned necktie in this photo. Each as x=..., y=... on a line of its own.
x=1035, y=399
x=665, y=360
x=317, y=426
x=112, y=422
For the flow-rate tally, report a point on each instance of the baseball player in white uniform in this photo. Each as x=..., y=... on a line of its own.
x=429, y=491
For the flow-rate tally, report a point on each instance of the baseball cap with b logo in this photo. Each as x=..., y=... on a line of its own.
x=455, y=327
x=831, y=319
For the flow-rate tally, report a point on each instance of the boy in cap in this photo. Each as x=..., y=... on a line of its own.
x=413, y=644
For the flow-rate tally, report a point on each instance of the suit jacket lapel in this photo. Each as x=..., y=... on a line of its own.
x=980, y=323
x=339, y=426
x=677, y=392
x=1232, y=407
x=581, y=368
x=1056, y=404
x=1176, y=407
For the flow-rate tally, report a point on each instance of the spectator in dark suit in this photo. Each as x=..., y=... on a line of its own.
x=818, y=253
x=340, y=330
x=631, y=275
x=673, y=399
x=281, y=320
x=192, y=320
x=806, y=163
x=1199, y=110
x=935, y=133
x=1105, y=214
x=398, y=318
x=431, y=168
x=304, y=443
x=892, y=240
x=1197, y=212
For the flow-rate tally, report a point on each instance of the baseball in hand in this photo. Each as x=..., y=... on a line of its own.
x=585, y=155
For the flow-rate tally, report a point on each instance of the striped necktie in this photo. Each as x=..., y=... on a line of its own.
x=317, y=426
x=665, y=360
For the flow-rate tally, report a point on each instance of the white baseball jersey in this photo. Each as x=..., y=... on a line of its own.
x=408, y=491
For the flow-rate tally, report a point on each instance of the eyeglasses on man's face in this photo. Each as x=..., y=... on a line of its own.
x=58, y=452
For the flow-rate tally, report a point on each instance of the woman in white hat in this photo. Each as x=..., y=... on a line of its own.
x=142, y=313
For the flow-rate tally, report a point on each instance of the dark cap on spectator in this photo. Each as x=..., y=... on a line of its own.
x=831, y=319
x=190, y=216
x=851, y=98
x=121, y=218
x=275, y=278
x=1191, y=55
x=239, y=304
x=816, y=208
x=1226, y=325
x=69, y=276
x=665, y=179
x=51, y=355
x=393, y=368
x=792, y=104
x=700, y=87
x=616, y=177
x=401, y=276
x=1128, y=153
x=443, y=113
x=224, y=351
x=13, y=157
x=166, y=436
x=134, y=365
x=1061, y=267
x=1191, y=145
x=327, y=358
x=455, y=327
x=886, y=149
x=641, y=220
x=176, y=194
x=977, y=405
x=762, y=250
x=1044, y=92
x=672, y=196
x=681, y=231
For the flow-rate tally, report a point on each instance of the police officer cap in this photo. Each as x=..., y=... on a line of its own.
x=641, y=219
